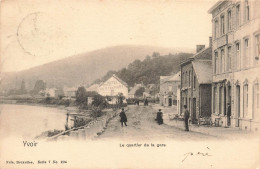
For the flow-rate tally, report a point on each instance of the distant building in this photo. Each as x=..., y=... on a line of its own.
x=168, y=89
x=70, y=92
x=113, y=87
x=93, y=88
x=54, y=92
x=132, y=91
x=236, y=51
x=50, y=92
x=146, y=95
x=179, y=100
x=196, y=79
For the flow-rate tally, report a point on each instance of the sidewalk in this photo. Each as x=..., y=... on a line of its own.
x=221, y=132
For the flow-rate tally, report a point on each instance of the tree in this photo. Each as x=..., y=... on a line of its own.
x=139, y=92
x=39, y=85
x=99, y=101
x=155, y=54
x=81, y=95
x=120, y=98
x=22, y=89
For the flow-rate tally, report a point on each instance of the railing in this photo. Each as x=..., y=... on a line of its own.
x=87, y=132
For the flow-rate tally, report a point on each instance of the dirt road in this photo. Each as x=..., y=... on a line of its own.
x=141, y=125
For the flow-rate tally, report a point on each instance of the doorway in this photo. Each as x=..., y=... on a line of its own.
x=170, y=102
x=194, y=109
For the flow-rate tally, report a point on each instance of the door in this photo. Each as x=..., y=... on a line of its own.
x=194, y=109
x=170, y=102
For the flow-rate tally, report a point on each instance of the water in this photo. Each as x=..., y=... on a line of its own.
x=23, y=121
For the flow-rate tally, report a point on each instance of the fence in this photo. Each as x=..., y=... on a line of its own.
x=87, y=132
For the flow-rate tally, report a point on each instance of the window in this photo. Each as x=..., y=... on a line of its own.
x=229, y=21
x=222, y=22
x=229, y=56
x=189, y=78
x=245, y=100
x=238, y=15
x=247, y=11
x=220, y=100
x=216, y=29
x=222, y=56
x=169, y=88
x=246, y=54
x=216, y=63
x=256, y=101
x=238, y=55
x=194, y=81
x=214, y=100
x=186, y=76
x=257, y=49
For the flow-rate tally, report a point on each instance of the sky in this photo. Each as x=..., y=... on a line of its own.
x=35, y=32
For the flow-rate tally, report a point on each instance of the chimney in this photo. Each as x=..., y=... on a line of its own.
x=210, y=41
x=199, y=48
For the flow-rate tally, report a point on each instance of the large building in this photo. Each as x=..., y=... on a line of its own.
x=113, y=87
x=196, y=79
x=235, y=50
x=168, y=89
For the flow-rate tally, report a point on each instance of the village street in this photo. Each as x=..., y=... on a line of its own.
x=141, y=125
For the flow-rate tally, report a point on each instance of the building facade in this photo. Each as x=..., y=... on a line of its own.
x=168, y=89
x=196, y=79
x=235, y=51
x=113, y=87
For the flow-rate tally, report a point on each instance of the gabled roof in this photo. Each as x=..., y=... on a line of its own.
x=117, y=78
x=204, y=54
x=203, y=71
x=93, y=87
x=121, y=81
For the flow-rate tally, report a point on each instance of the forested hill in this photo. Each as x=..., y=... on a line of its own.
x=149, y=70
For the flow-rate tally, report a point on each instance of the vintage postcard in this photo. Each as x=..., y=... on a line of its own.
x=129, y=84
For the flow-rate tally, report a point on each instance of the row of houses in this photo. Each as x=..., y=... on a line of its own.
x=226, y=72
x=235, y=62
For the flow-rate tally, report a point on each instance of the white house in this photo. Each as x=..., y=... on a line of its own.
x=113, y=86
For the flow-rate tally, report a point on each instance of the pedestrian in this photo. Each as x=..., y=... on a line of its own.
x=159, y=117
x=123, y=117
x=186, y=118
x=146, y=102
x=228, y=114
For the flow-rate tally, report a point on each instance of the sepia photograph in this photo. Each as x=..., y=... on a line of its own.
x=118, y=84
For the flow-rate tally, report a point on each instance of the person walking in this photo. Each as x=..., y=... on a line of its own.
x=123, y=117
x=228, y=114
x=186, y=118
x=159, y=117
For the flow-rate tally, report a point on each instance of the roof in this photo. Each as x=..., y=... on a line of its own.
x=216, y=5
x=175, y=77
x=93, y=87
x=204, y=54
x=203, y=71
x=121, y=81
x=172, y=78
x=118, y=79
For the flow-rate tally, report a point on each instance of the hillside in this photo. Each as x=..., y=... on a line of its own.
x=149, y=70
x=81, y=69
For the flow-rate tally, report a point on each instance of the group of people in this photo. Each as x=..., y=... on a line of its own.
x=159, y=118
